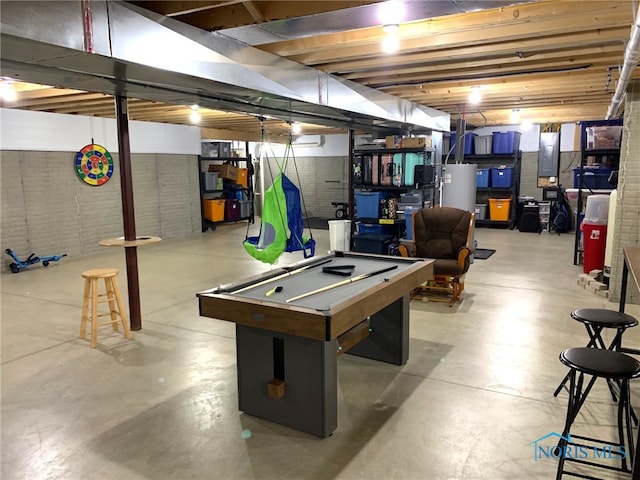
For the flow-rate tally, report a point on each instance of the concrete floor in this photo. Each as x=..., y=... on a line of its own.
x=477, y=389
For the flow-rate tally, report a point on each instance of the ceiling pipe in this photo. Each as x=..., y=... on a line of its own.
x=631, y=59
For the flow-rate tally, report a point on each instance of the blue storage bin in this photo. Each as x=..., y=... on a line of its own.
x=368, y=204
x=482, y=178
x=408, y=218
x=593, y=178
x=373, y=228
x=506, y=142
x=501, y=177
x=468, y=143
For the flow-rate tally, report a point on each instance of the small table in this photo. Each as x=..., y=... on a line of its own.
x=287, y=350
x=121, y=242
x=631, y=265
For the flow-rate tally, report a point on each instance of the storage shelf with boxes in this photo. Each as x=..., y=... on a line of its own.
x=226, y=186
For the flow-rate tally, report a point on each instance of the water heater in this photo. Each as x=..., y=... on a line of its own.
x=459, y=186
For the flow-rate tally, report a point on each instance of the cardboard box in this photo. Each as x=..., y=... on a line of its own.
x=416, y=142
x=392, y=141
x=225, y=171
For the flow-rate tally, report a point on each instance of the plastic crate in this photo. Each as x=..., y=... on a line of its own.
x=372, y=228
x=468, y=143
x=483, y=144
x=214, y=210
x=501, y=177
x=483, y=178
x=506, y=142
x=245, y=208
x=372, y=243
x=368, y=204
x=481, y=211
x=210, y=180
x=592, y=178
x=499, y=209
x=408, y=218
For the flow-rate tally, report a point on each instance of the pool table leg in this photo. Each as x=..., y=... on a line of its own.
x=389, y=338
x=309, y=368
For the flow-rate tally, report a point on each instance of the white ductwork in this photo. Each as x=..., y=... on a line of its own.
x=141, y=54
x=631, y=59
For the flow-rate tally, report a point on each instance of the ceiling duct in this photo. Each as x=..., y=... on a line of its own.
x=631, y=60
x=141, y=54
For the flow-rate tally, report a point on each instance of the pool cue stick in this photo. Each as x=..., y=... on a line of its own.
x=283, y=275
x=341, y=283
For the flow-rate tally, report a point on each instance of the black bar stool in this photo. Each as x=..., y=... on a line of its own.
x=598, y=363
x=595, y=320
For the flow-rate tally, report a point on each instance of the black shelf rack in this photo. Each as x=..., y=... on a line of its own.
x=613, y=154
x=484, y=193
x=212, y=194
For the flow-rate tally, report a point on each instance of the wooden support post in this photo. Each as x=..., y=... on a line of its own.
x=128, y=212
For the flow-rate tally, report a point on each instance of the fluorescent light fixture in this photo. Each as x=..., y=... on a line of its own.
x=194, y=116
x=475, y=96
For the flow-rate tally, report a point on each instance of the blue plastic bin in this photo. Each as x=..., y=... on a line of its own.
x=482, y=178
x=373, y=228
x=593, y=178
x=468, y=143
x=368, y=204
x=408, y=218
x=501, y=177
x=506, y=142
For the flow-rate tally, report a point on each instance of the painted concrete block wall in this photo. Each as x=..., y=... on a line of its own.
x=322, y=180
x=627, y=224
x=48, y=210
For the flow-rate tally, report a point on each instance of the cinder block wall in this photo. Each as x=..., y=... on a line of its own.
x=529, y=172
x=627, y=224
x=322, y=180
x=46, y=209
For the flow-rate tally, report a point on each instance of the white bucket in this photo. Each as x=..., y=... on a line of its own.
x=340, y=235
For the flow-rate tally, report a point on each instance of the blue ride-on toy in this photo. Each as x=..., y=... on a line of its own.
x=18, y=264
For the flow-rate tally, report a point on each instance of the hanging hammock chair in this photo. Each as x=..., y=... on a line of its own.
x=282, y=226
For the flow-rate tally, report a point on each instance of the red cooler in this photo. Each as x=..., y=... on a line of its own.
x=594, y=238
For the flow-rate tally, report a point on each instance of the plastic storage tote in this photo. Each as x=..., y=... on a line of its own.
x=483, y=144
x=501, y=177
x=482, y=178
x=468, y=143
x=499, y=209
x=506, y=142
x=592, y=178
x=214, y=210
x=368, y=204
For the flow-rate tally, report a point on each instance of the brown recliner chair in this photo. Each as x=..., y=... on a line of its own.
x=444, y=234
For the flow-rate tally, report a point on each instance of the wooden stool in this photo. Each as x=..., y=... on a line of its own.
x=93, y=296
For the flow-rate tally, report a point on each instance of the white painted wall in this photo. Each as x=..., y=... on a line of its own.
x=53, y=132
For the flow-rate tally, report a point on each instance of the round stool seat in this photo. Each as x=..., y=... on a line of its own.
x=601, y=363
x=100, y=273
x=604, y=318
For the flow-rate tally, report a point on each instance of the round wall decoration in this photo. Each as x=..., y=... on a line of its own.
x=94, y=164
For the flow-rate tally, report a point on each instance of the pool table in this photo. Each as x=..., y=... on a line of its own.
x=287, y=346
